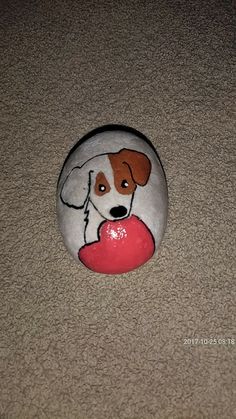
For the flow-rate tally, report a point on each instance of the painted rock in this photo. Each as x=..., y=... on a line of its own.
x=112, y=200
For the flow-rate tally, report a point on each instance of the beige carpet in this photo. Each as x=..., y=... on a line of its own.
x=74, y=344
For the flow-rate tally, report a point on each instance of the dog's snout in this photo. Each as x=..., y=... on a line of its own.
x=118, y=212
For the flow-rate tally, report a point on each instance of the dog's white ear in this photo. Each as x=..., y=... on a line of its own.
x=75, y=189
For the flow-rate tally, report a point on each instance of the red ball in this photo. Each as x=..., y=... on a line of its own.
x=123, y=246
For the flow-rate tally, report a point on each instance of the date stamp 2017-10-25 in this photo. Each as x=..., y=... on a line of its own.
x=207, y=341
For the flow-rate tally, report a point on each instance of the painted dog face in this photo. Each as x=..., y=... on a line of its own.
x=108, y=181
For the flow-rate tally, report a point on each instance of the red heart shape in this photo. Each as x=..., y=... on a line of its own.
x=123, y=246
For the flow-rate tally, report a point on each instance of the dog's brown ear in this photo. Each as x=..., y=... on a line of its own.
x=138, y=163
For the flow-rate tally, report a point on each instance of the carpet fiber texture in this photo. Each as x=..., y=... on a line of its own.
x=75, y=344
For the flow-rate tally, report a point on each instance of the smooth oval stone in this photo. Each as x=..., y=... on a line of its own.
x=112, y=200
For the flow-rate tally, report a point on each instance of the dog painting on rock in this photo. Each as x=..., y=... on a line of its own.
x=104, y=193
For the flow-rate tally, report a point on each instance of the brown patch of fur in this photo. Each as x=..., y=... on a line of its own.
x=131, y=166
x=101, y=180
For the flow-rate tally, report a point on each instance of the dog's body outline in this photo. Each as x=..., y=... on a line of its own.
x=139, y=176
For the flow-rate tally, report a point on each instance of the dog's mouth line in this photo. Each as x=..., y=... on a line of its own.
x=120, y=218
x=115, y=218
x=112, y=218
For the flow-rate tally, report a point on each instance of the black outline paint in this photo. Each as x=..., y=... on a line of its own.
x=87, y=196
x=92, y=171
x=110, y=128
x=122, y=218
x=87, y=199
x=105, y=128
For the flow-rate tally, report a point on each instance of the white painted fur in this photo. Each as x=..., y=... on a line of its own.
x=78, y=192
x=150, y=203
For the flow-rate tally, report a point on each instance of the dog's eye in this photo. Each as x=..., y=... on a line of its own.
x=101, y=187
x=124, y=184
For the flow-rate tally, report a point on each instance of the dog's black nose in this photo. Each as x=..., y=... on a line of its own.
x=118, y=212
